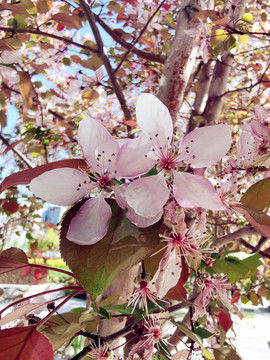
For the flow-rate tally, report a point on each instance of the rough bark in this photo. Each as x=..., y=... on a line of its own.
x=180, y=60
x=205, y=78
x=221, y=73
x=122, y=285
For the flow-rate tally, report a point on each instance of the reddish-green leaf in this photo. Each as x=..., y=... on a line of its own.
x=60, y=329
x=25, y=87
x=258, y=219
x=12, y=259
x=11, y=207
x=69, y=21
x=25, y=343
x=97, y=265
x=25, y=177
x=258, y=195
x=225, y=320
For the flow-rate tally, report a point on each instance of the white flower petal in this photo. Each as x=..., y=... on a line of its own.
x=140, y=221
x=10, y=57
x=168, y=273
x=132, y=157
x=91, y=222
x=191, y=191
x=205, y=146
x=153, y=117
x=91, y=135
x=62, y=186
x=146, y=196
x=9, y=74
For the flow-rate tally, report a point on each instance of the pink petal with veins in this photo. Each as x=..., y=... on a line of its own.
x=140, y=221
x=147, y=195
x=153, y=117
x=91, y=222
x=91, y=135
x=62, y=186
x=191, y=191
x=132, y=157
x=205, y=146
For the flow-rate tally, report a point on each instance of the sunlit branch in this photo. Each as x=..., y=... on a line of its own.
x=101, y=52
x=258, y=82
x=17, y=152
x=132, y=45
x=234, y=237
x=251, y=247
x=42, y=33
x=143, y=54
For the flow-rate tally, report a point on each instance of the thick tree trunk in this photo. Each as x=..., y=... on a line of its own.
x=221, y=74
x=180, y=60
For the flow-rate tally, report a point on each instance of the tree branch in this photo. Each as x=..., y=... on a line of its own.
x=101, y=52
x=42, y=33
x=17, y=152
x=143, y=54
x=138, y=37
x=234, y=237
x=251, y=247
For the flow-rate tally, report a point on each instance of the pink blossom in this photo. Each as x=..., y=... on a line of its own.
x=152, y=335
x=179, y=248
x=200, y=148
x=65, y=186
x=215, y=288
x=253, y=146
x=6, y=72
x=100, y=352
x=141, y=296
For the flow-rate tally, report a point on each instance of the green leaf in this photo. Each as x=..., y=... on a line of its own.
x=247, y=17
x=218, y=38
x=231, y=43
x=258, y=195
x=203, y=333
x=21, y=21
x=95, y=266
x=60, y=329
x=29, y=6
x=225, y=353
x=238, y=265
x=193, y=337
x=103, y=312
x=66, y=61
x=163, y=348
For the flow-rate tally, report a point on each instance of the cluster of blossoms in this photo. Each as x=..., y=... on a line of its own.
x=118, y=166
x=151, y=335
x=253, y=146
x=212, y=288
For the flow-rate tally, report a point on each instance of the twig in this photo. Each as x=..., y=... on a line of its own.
x=260, y=243
x=233, y=237
x=259, y=81
x=132, y=45
x=43, y=33
x=117, y=89
x=143, y=54
x=251, y=247
x=17, y=152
